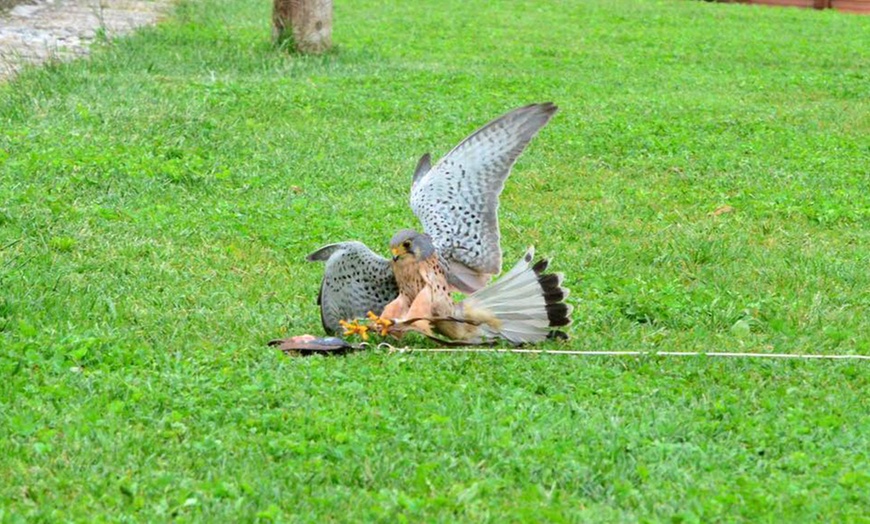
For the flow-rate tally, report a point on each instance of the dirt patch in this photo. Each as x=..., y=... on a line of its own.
x=32, y=32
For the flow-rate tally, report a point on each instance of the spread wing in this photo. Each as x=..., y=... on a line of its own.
x=356, y=280
x=457, y=199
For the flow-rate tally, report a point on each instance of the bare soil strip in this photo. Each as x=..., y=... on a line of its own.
x=31, y=33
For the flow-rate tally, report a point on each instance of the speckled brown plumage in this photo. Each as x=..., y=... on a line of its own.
x=525, y=305
x=413, y=276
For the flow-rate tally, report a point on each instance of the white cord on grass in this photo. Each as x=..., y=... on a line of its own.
x=626, y=353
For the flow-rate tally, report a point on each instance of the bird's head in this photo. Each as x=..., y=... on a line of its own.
x=408, y=243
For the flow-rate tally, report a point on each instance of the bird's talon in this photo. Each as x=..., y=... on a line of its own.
x=355, y=328
x=380, y=324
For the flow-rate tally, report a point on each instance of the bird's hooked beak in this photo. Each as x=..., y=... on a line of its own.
x=397, y=251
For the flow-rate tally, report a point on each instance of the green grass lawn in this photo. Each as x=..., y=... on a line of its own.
x=157, y=201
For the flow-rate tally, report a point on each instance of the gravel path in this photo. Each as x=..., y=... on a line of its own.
x=63, y=29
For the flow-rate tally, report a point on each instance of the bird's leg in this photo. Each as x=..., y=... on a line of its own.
x=422, y=308
x=395, y=309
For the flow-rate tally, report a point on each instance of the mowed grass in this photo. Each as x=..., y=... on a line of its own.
x=705, y=187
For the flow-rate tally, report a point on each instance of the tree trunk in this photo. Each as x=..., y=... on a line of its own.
x=302, y=25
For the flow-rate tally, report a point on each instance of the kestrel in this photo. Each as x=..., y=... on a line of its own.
x=524, y=305
x=457, y=202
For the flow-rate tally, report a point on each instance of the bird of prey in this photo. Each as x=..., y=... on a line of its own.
x=456, y=201
x=524, y=305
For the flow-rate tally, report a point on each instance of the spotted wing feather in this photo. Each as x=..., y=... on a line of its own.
x=356, y=280
x=457, y=199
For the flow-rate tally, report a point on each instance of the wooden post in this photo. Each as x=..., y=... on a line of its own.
x=302, y=25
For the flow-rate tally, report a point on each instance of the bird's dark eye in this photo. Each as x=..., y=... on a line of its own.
x=406, y=244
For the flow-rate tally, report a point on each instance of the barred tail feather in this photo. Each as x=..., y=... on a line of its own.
x=526, y=303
